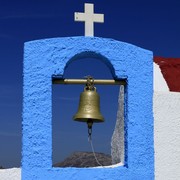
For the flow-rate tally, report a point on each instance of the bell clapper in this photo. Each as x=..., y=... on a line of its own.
x=89, y=123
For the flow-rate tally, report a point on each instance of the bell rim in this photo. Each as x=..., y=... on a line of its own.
x=85, y=120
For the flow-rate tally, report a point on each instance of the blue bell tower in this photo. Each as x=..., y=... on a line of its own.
x=46, y=58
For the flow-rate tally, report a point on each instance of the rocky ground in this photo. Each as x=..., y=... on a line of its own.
x=85, y=159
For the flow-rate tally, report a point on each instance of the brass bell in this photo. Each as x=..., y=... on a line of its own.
x=89, y=107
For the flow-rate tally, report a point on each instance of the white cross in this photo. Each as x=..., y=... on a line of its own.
x=89, y=18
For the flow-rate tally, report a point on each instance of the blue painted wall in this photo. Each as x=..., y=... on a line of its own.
x=44, y=59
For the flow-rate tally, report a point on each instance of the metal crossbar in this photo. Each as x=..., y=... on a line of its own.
x=84, y=81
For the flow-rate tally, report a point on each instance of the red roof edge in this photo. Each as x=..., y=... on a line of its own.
x=170, y=68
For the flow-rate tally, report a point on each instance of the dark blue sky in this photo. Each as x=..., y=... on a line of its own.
x=153, y=25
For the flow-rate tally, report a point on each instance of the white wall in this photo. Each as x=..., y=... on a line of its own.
x=159, y=81
x=10, y=174
x=167, y=135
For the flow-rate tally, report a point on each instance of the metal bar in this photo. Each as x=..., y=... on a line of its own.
x=84, y=81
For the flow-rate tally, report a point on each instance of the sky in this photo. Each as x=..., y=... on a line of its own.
x=152, y=25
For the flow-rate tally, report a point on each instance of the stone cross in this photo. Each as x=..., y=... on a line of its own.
x=89, y=18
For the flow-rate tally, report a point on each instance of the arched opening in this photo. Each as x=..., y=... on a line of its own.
x=70, y=138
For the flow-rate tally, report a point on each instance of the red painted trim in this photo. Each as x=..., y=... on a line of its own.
x=170, y=68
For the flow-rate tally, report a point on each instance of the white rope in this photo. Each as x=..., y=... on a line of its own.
x=92, y=147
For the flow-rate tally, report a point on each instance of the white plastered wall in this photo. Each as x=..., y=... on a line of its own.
x=167, y=135
x=166, y=129
x=160, y=84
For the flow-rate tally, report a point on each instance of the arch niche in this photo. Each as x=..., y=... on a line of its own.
x=86, y=63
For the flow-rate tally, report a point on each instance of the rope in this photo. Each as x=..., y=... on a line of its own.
x=92, y=147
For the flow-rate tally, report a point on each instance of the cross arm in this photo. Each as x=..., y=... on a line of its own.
x=79, y=16
x=98, y=18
